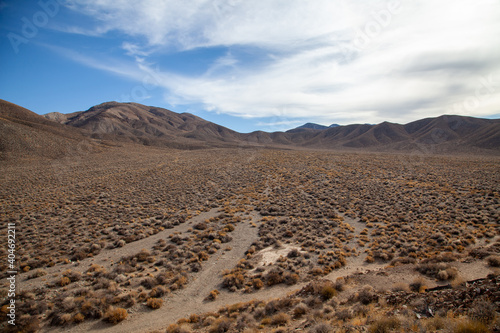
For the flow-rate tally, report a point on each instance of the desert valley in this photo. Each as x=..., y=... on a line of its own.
x=130, y=218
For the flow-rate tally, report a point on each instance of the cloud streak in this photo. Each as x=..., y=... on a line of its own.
x=330, y=61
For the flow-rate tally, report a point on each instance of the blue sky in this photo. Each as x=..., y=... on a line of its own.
x=262, y=64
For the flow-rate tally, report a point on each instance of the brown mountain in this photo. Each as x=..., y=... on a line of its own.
x=148, y=125
x=23, y=133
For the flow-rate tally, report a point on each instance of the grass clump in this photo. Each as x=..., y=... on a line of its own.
x=300, y=310
x=328, y=291
x=385, y=325
x=64, y=281
x=115, y=315
x=212, y=296
x=154, y=303
x=470, y=326
x=175, y=328
x=280, y=319
x=321, y=328
x=220, y=325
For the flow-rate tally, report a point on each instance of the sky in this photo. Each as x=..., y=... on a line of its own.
x=256, y=64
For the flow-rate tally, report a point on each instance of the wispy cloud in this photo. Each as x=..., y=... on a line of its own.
x=337, y=61
x=122, y=68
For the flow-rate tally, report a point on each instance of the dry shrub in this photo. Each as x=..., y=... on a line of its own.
x=158, y=291
x=203, y=256
x=436, y=324
x=194, y=318
x=233, y=280
x=321, y=328
x=418, y=285
x=300, y=310
x=294, y=253
x=245, y=321
x=154, y=303
x=201, y=226
x=26, y=324
x=93, y=308
x=273, y=278
x=448, y=274
x=291, y=279
x=280, y=319
x=482, y=311
x=220, y=325
x=257, y=283
x=209, y=320
x=317, y=271
x=471, y=326
x=213, y=295
x=344, y=314
x=38, y=273
x=493, y=261
x=57, y=319
x=174, y=328
x=95, y=268
x=265, y=321
x=143, y=255
x=72, y=275
x=367, y=295
x=323, y=288
x=385, y=325
x=328, y=291
x=458, y=281
x=64, y=281
x=115, y=315
x=440, y=271
x=272, y=307
x=339, y=284
x=143, y=296
x=183, y=321
x=78, y=318
x=400, y=287
x=149, y=282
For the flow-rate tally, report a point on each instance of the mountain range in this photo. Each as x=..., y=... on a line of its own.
x=111, y=123
x=316, y=126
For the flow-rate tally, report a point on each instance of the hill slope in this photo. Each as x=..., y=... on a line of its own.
x=148, y=125
x=24, y=133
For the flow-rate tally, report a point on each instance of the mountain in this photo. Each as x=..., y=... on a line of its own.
x=132, y=122
x=441, y=134
x=148, y=125
x=24, y=133
x=312, y=126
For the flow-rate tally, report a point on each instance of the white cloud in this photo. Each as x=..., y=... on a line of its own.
x=336, y=61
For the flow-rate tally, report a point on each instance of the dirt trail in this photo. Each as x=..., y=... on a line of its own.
x=189, y=300
x=107, y=257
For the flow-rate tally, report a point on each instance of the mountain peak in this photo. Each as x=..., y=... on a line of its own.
x=312, y=126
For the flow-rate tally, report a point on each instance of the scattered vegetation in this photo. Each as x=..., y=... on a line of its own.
x=430, y=216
